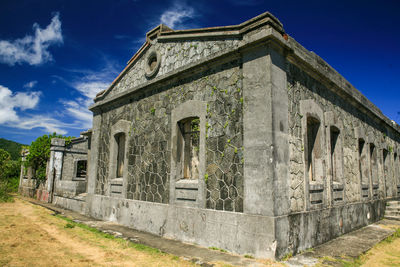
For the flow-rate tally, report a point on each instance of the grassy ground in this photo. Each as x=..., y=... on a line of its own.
x=386, y=253
x=7, y=188
x=31, y=236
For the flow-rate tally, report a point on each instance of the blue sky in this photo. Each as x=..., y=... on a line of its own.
x=56, y=55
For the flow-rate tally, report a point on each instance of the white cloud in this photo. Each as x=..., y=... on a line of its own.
x=175, y=16
x=88, y=87
x=30, y=84
x=32, y=49
x=49, y=124
x=11, y=103
x=78, y=109
x=122, y=37
x=245, y=2
x=92, y=86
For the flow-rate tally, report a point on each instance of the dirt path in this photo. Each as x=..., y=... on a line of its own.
x=31, y=236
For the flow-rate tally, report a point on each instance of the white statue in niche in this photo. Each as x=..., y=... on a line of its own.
x=189, y=147
x=194, y=164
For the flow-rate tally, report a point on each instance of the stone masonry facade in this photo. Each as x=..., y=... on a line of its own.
x=149, y=145
x=235, y=137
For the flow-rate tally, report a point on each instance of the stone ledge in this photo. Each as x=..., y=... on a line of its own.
x=351, y=245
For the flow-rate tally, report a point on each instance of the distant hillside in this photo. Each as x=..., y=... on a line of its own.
x=11, y=147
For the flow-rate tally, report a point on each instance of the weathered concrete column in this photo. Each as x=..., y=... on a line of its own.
x=395, y=175
x=92, y=162
x=265, y=121
x=88, y=133
x=55, y=164
x=24, y=153
x=92, y=158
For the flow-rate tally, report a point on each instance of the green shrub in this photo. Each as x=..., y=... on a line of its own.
x=39, y=153
x=9, y=176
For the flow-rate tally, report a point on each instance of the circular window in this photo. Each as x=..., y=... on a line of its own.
x=153, y=62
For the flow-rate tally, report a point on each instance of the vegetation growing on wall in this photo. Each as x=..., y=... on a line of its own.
x=39, y=154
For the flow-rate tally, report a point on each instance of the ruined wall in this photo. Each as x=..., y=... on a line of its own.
x=149, y=137
x=302, y=87
x=27, y=183
x=63, y=167
x=70, y=159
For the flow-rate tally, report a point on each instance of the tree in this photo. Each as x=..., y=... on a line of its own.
x=9, y=175
x=11, y=147
x=4, y=158
x=39, y=153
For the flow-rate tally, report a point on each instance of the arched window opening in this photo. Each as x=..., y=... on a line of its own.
x=120, y=141
x=189, y=147
x=314, y=150
x=374, y=169
x=363, y=161
x=396, y=171
x=396, y=168
x=373, y=163
x=81, y=167
x=336, y=154
x=386, y=167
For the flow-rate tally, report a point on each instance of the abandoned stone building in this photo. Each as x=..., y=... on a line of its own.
x=66, y=171
x=234, y=137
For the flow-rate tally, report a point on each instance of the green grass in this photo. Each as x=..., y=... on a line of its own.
x=392, y=237
x=287, y=256
x=308, y=250
x=356, y=262
x=68, y=225
x=139, y=247
x=219, y=249
x=7, y=188
x=175, y=258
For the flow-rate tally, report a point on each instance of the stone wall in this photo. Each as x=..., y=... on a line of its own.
x=173, y=54
x=27, y=181
x=303, y=87
x=70, y=159
x=62, y=167
x=149, y=144
x=254, y=93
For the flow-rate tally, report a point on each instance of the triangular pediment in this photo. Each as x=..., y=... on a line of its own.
x=166, y=50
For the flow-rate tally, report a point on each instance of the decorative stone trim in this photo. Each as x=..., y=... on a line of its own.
x=315, y=193
x=374, y=171
x=364, y=183
x=387, y=170
x=396, y=170
x=117, y=186
x=335, y=188
x=75, y=177
x=184, y=191
x=152, y=63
